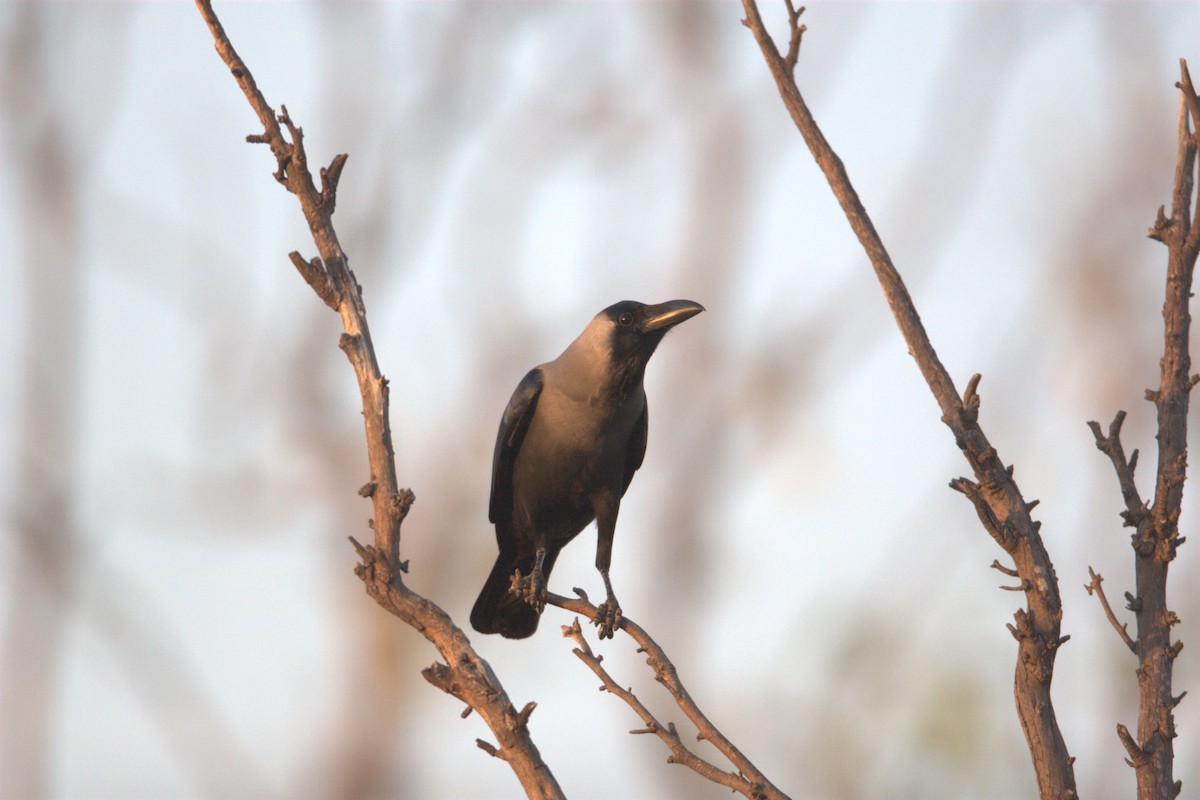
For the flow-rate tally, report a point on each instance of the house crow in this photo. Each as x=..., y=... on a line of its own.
x=569, y=442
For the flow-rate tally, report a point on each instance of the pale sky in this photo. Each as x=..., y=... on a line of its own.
x=515, y=167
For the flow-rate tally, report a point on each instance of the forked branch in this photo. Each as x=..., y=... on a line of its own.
x=747, y=779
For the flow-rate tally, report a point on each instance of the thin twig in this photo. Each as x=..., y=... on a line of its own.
x=680, y=754
x=754, y=783
x=796, y=34
x=1095, y=587
x=1136, y=514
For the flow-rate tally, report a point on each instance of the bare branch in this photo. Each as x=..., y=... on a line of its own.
x=1157, y=538
x=750, y=780
x=462, y=673
x=996, y=565
x=680, y=754
x=1185, y=177
x=996, y=496
x=796, y=34
x=1136, y=514
x=315, y=276
x=465, y=675
x=1137, y=756
x=1095, y=588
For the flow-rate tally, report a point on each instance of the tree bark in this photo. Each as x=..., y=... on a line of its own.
x=1001, y=507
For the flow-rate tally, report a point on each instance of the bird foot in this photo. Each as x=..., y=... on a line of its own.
x=608, y=617
x=531, y=588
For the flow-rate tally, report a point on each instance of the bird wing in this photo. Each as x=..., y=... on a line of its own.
x=637, y=446
x=513, y=426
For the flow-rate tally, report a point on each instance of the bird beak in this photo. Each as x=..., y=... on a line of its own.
x=668, y=314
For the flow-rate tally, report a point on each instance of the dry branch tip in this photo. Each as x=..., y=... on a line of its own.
x=996, y=565
x=795, y=34
x=525, y=713
x=490, y=749
x=1095, y=587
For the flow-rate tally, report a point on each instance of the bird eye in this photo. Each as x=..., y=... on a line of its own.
x=625, y=319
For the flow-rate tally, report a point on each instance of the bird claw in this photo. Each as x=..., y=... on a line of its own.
x=531, y=588
x=608, y=618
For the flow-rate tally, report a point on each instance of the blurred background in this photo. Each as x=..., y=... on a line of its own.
x=181, y=438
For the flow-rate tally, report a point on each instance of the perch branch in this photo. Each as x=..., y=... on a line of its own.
x=680, y=754
x=462, y=672
x=995, y=494
x=749, y=780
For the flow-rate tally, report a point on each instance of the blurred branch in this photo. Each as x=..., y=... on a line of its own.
x=464, y=674
x=998, y=500
x=748, y=779
x=1156, y=538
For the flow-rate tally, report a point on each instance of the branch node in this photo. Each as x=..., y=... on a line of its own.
x=796, y=34
x=350, y=344
x=490, y=749
x=523, y=717
x=1003, y=533
x=317, y=277
x=1161, y=227
x=363, y=553
x=403, y=501
x=996, y=565
x=329, y=180
x=1137, y=756
x=1095, y=587
x=971, y=395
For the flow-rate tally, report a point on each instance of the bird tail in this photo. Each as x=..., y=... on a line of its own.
x=498, y=610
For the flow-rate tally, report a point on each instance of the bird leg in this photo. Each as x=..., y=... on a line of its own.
x=532, y=587
x=608, y=615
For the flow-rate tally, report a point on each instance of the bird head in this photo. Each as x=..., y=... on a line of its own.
x=634, y=331
x=637, y=328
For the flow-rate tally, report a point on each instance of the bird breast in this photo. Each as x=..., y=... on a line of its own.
x=574, y=451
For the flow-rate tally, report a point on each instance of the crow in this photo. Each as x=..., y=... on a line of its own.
x=569, y=442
